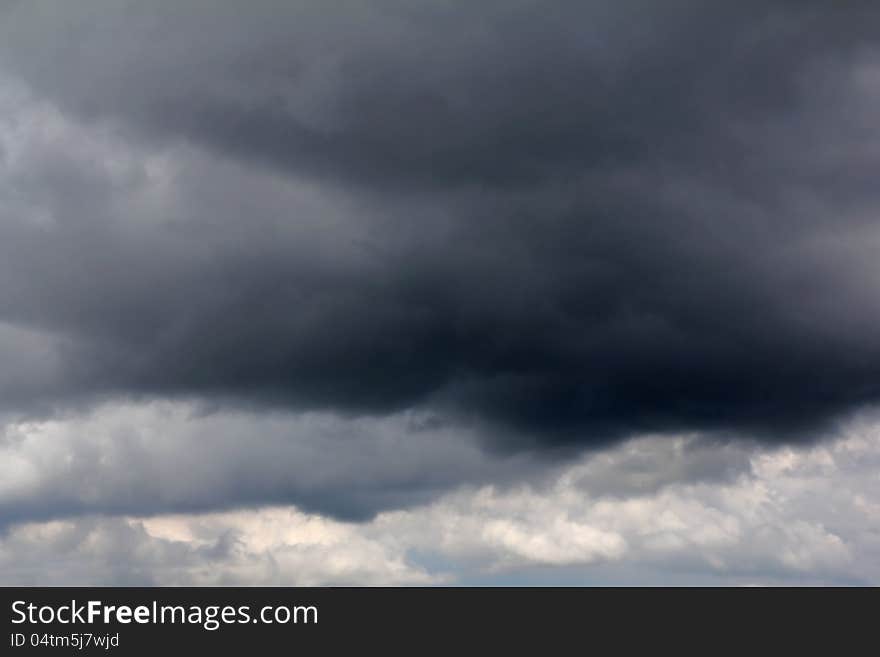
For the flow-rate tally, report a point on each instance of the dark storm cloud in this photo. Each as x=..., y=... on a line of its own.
x=574, y=220
x=406, y=93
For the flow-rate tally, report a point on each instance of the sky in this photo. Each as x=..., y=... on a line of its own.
x=408, y=292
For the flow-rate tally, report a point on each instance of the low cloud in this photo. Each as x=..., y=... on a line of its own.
x=162, y=457
x=793, y=516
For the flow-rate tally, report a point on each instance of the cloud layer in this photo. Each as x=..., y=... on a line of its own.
x=677, y=513
x=588, y=287
x=575, y=223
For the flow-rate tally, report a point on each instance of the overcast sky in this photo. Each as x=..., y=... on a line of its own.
x=396, y=292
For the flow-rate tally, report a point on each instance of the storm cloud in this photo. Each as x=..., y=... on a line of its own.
x=573, y=221
x=427, y=292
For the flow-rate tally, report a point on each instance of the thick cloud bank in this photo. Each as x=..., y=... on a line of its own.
x=417, y=291
x=573, y=220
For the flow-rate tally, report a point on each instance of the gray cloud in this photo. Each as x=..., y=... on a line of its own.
x=576, y=224
x=152, y=458
x=376, y=256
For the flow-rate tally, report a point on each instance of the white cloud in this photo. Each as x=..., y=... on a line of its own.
x=789, y=515
x=268, y=547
